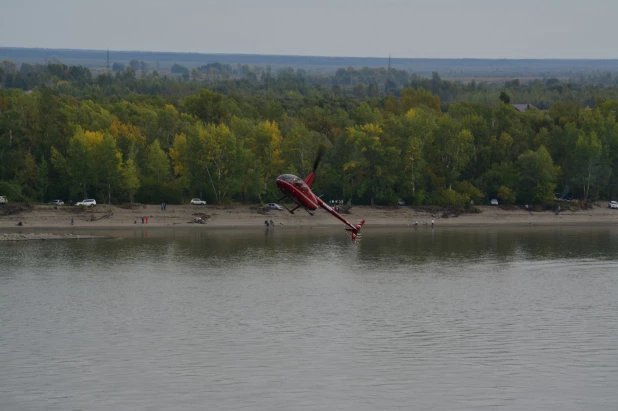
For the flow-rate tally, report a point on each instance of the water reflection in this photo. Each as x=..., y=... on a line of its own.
x=378, y=246
x=282, y=320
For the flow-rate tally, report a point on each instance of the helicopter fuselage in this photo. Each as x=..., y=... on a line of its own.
x=298, y=191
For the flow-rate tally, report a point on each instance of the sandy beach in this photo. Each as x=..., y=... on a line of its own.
x=110, y=216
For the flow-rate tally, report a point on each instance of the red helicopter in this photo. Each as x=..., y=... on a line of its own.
x=299, y=191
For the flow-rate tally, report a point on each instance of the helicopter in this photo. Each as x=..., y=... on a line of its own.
x=299, y=191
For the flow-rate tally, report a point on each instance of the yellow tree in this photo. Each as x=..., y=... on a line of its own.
x=222, y=162
x=129, y=138
x=299, y=148
x=76, y=166
x=190, y=158
x=415, y=133
x=267, y=142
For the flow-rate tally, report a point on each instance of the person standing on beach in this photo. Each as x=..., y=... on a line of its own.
x=72, y=221
x=432, y=221
x=142, y=219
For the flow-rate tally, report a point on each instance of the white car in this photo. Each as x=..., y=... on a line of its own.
x=3, y=200
x=57, y=202
x=89, y=202
x=197, y=201
x=493, y=201
x=274, y=206
x=613, y=204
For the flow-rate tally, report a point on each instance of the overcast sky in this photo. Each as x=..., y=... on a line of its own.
x=403, y=28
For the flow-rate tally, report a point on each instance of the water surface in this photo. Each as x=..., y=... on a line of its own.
x=283, y=320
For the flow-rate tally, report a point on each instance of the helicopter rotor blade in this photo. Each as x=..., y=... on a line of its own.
x=318, y=157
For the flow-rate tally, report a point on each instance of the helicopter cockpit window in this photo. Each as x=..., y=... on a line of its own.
x=288, y=178
x=298, y=183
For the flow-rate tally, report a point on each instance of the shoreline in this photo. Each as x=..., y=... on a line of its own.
x=12, y=237
x=106, y=217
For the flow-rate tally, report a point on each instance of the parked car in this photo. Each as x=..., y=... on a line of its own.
x=89, y=202
x=3, y=200
x=274, y=206
x=613, y=204
x=57, y=202
x=493, y=201
x=197, y=201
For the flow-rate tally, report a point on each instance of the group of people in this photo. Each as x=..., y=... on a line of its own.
x=432, y=223
x=144, y=219
x=269, y=224
x=336, y=204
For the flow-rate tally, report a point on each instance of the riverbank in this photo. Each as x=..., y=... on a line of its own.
x=109, y=216
x=46, y=236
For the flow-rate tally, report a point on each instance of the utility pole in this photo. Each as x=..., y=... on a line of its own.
x=389, y=64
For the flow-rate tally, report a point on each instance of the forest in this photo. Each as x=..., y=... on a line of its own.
x=224, y=134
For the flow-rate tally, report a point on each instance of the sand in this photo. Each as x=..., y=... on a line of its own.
x=109, y=216
x=46, y=236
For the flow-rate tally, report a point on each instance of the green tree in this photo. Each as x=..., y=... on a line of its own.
x=117, y=67
x=504, y=98
x=77, y=167
x=537, y=176
x=588, y=151
x=130, y=179
x=158, y=163
x=108, y=165
x=371, y=161
x=207, y=106
x=452, y=149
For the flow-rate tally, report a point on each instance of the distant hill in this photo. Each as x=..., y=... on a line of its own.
x=462, y=68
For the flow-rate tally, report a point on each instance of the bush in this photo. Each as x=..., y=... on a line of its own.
x=449, y=198
x=419, y=197
x=467, y=189
x=12, y=191
x=506, y=195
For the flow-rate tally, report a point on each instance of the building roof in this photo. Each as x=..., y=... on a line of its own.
x=523, y=107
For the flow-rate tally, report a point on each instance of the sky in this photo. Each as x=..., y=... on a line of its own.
x=363, y=28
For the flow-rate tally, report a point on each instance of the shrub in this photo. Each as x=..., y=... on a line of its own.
x=506, y=195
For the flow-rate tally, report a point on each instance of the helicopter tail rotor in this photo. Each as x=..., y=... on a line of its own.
x=356, y=230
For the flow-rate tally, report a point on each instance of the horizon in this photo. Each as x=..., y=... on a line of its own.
x=303, y=55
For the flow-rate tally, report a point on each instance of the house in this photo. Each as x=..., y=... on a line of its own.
x=523, y=107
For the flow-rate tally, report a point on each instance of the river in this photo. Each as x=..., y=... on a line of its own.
x=410, y=319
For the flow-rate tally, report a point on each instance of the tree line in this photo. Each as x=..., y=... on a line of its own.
x=67, y=134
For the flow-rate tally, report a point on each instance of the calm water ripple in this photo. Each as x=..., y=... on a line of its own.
x=282, y=320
